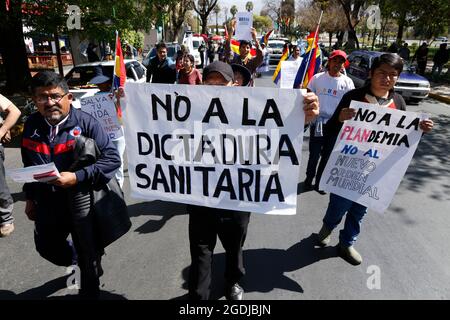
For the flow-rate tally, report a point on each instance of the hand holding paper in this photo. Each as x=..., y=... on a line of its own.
x=42, y=173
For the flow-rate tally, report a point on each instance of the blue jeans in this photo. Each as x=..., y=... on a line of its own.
x=337, y=207
x=120, y=146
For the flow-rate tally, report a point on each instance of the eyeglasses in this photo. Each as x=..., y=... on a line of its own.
x=55, y=98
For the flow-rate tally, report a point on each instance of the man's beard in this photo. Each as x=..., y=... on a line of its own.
x=54, y=117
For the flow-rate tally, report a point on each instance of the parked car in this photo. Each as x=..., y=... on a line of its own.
x=275, y=50
x=442, y=39
x=410, y=85
x=78, y=77
x=172, y=49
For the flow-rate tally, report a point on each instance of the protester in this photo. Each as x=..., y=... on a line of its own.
x=179, y=63
x=50, y=136
x=242, y=76
x=104, y=84
x=329, y=86
x=264, y=67
x=421, y=55
x=221, y=52
x=161, y=69
x=404, y=52
x=201, y=50
x=244, y=57
x=295, y=56
x=205, y=224
x=6, y=200
x=440, y=59
x=393, y=48
x=189, y=74
x=210, y=52
x=384, y=73
x=91, y=54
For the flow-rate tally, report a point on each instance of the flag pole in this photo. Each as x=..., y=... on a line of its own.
x=310, y=52
x=115, y=55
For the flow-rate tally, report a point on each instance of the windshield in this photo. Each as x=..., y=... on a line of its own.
x=276, y=45
x=80, y=76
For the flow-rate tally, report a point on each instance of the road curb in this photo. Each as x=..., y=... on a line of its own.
x=439, y=97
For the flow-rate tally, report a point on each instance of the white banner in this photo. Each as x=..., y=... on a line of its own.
x=101, y=107
x=288, y=73
x=222, y=147
x=371, y=155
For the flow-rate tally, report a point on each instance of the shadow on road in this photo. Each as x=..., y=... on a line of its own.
x=266, y=268
x=166, y=210
x=44, y=291
x=430, y=162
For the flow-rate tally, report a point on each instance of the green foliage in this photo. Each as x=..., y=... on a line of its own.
x=99, y=18
x=135, y=38
x=261, y=23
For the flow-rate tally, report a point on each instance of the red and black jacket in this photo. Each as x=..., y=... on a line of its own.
x=37, y=149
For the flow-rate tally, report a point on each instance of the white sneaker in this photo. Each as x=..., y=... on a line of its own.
x=6, y=230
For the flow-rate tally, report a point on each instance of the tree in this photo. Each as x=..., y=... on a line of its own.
x=217, y=11
x=178, y=11
x=203, y=9
x=12, y=48
x=48, y=17
x=262, y=23
x=249, y=6
x=352, y=10
x=333, y=19
x=272, y=9
x=233, y=10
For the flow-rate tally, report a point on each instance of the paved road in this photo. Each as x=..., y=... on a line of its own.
x=408, y=244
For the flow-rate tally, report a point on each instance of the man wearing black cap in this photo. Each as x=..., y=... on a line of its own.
x=205, y=224
x=104, y=84
x=242, y=76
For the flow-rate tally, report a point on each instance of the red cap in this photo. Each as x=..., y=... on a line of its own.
x=338, y=53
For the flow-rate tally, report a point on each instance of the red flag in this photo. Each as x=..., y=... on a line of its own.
x=119, y=76
x=7, y=5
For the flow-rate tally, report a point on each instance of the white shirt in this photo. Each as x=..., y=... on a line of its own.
x=330, y=91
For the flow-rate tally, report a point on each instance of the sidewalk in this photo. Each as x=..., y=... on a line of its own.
x=440, y=92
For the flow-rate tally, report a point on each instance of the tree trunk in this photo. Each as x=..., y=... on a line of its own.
x=58, y=54
x=12, y=48
x=204, y=24
x=352, y=39
x=330, y=37
x=374, y=38
x=401, y=24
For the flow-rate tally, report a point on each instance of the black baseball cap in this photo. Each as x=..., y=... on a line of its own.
x=221, y=67
x=246, y=75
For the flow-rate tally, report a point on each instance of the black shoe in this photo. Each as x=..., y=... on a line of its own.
x=89, y=294
x=307, y=184
x=234, y=292
x=319, y=191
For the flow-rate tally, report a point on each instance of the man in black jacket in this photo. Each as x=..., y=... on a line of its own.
x=50, y=136
x=384, y=74
x=160, y=68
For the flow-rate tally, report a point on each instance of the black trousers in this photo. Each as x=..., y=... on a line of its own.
x=316, y=145
x=205, y=224
x=64, y=212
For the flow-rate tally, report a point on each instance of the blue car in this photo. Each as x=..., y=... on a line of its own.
x=410, y=85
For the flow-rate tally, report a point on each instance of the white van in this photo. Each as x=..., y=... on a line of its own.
x=196, y=42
